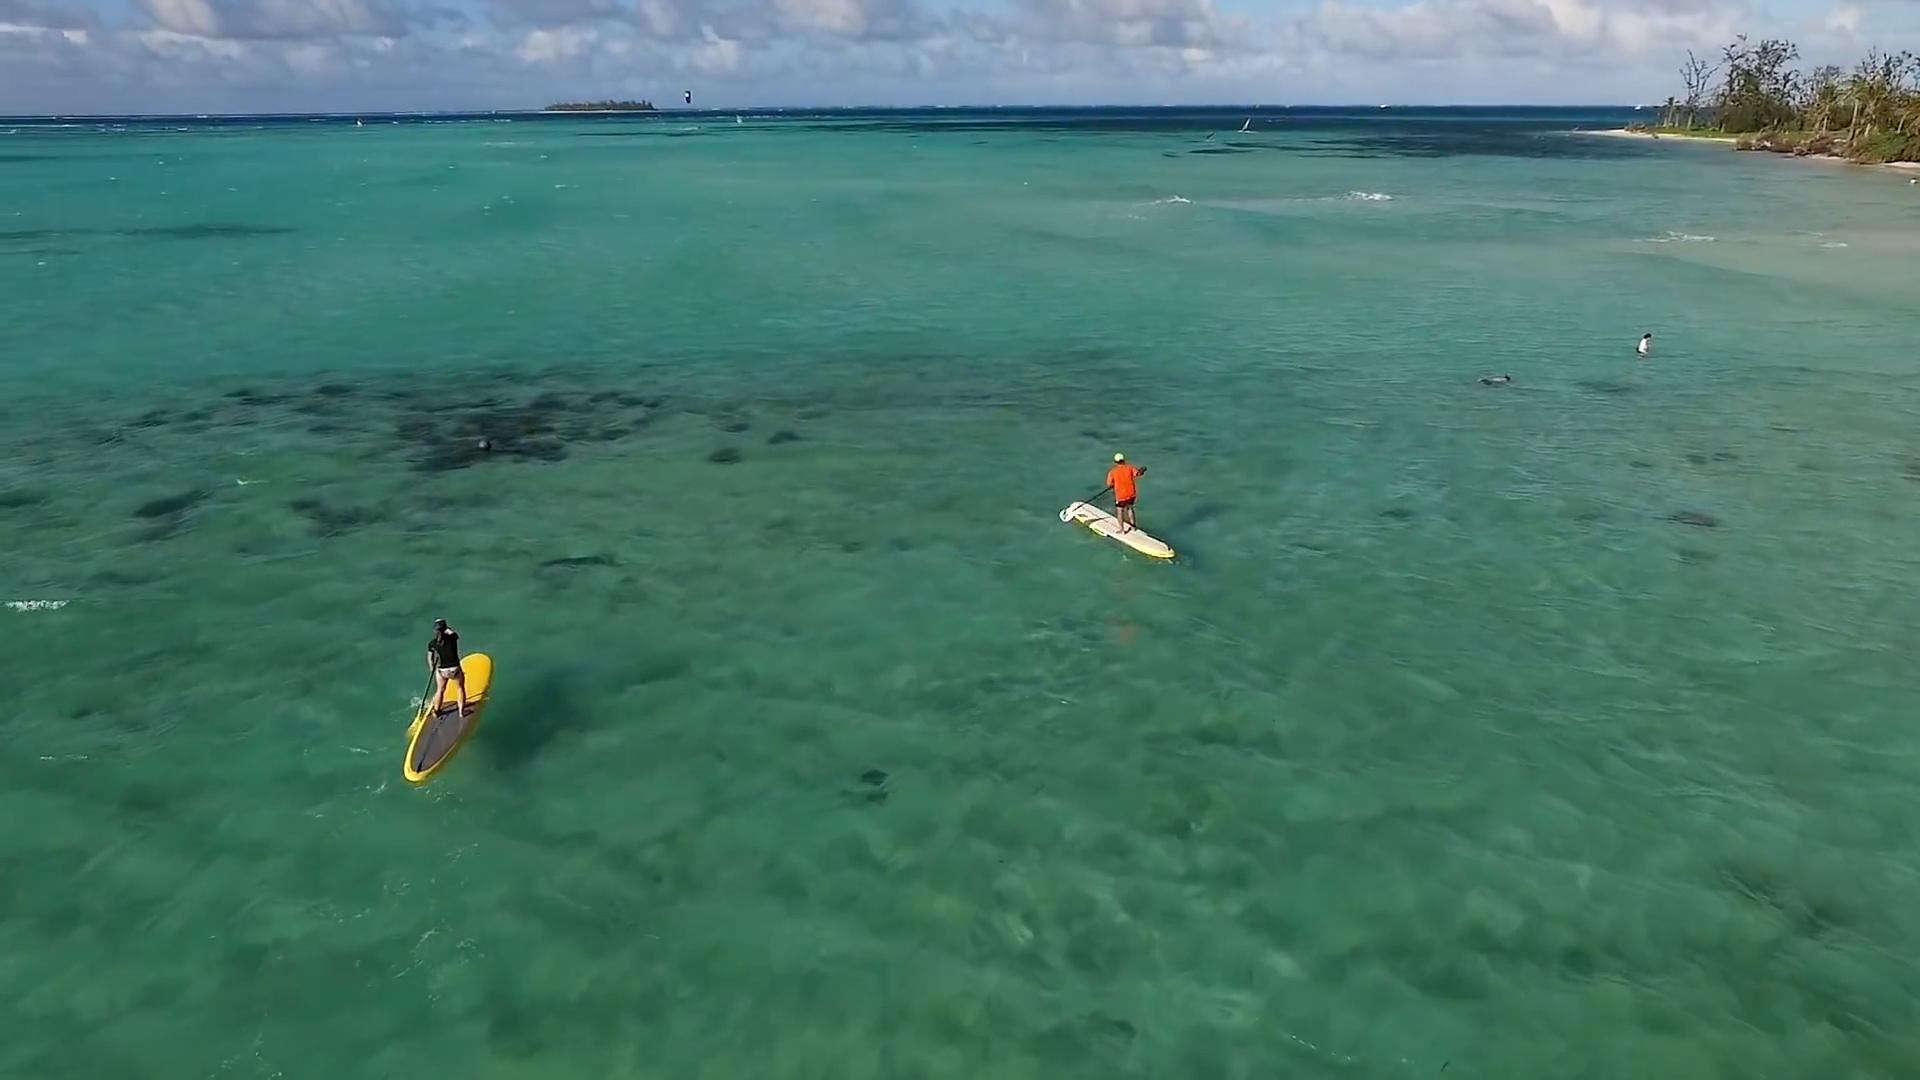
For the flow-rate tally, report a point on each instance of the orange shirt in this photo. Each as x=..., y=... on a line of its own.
x=1120, y=479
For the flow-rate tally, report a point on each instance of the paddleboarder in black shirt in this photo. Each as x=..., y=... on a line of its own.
x=443, y=659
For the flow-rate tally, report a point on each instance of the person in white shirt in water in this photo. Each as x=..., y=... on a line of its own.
x=1645, y=348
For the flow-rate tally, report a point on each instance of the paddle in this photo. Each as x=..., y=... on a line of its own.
x=426, y=698
x=1067, y=514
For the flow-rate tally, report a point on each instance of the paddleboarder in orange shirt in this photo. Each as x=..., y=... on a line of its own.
x=1120, y=478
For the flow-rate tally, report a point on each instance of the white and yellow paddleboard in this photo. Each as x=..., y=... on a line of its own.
x=433, y=740
x=1109, y=526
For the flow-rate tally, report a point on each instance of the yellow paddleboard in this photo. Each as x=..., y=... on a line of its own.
x=1109, y=526
x=433, y=740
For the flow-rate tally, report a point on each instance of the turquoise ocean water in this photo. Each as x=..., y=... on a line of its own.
x=1558, y=729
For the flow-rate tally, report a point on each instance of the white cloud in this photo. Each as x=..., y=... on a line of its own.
x=1119, y=24
x=550, y=46
x=195, y=17
x=894, y=20
x=24, y=15
x=558, y=12
x=845, y=17
x=313, y=58
x=1564, y=29
x=748, y=21
x=715, y=54
x=660, y=18
x=1842, y=22
x=266, y=19
x=174, y=45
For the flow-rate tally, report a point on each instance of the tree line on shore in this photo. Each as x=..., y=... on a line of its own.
x=1871, y=113
x=600, y=106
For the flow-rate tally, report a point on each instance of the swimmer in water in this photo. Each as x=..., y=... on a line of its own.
x=1645, y=348
x=1496, y=380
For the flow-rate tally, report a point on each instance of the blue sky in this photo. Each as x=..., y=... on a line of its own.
x=307, y=55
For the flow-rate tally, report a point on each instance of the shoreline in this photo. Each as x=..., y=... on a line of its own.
x=1906, y=168
x=1625, y=133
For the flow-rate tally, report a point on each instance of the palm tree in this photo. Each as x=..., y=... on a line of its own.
x=1822, y=100
x=1878, y=89
x=1864, y=98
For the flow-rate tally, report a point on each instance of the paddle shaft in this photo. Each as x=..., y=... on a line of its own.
x=1097, y=494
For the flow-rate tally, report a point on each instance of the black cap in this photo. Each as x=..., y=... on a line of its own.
x=439, y=624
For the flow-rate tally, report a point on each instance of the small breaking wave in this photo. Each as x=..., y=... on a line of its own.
x=1369, y=196
x=1834, y=244
x=34, y=605
x=1171, y=200
x=1676, y=238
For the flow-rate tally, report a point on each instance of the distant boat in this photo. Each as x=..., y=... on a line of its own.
x=359, y=123
x=737, y=120
x=1248, y=125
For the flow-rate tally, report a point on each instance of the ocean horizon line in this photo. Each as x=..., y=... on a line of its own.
x=806, y=110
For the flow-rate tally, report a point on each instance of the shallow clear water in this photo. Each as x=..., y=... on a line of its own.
x=1555, y=729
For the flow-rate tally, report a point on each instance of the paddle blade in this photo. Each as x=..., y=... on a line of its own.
x=1067, y=514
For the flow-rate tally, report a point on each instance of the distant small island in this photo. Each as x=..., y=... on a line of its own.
x=600, y=106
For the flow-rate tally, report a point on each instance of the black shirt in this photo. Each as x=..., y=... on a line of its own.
x=445, y=649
